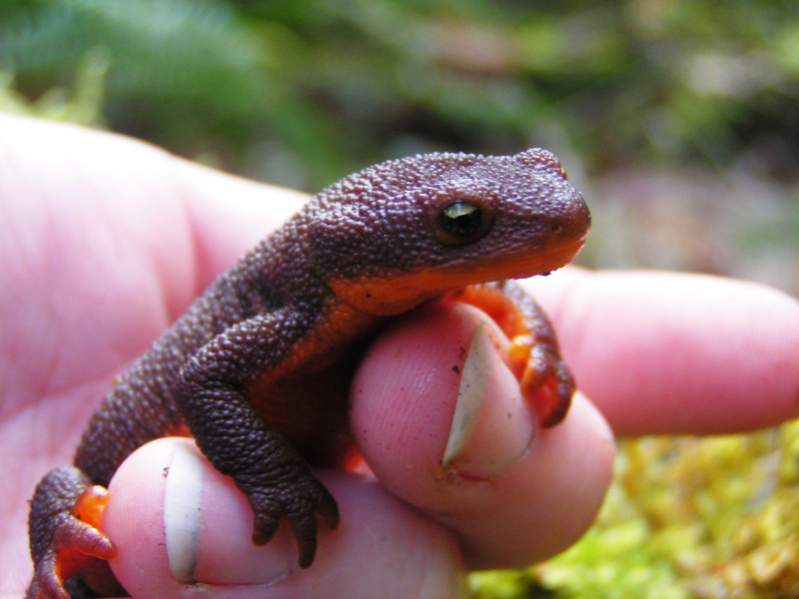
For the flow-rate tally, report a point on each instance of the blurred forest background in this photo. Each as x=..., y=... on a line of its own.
x=678, y=119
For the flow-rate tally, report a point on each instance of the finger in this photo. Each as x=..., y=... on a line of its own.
x=677, y=353
x=143, y=207
x=179, y=524
x=230, y=215
x=450, y=434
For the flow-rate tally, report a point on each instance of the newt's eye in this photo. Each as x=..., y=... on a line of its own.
x=462, y=222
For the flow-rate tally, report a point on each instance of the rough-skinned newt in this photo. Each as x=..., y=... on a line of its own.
x=258, y=368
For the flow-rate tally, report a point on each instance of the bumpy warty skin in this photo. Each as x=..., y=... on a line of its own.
x=257, y=351
x=351, y=238
x=373, y=223
x=141, y=406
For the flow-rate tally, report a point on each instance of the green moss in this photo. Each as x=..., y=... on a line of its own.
x=685, y=517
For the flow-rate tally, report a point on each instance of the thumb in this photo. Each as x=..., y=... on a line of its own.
x=178, y=524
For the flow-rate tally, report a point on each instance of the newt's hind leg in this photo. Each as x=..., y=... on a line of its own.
x=534, y=355
x=65, y=539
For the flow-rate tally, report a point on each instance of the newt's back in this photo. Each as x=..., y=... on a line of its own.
x=254, y=368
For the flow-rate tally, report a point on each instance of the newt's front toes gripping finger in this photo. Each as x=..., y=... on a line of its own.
x=309, y=500
x=303, y=524
x=301, y=502
x=267, y=517
x=327, y=507
x=552, y=397
x=544, y=378
x=315, y=500
x=73, y=535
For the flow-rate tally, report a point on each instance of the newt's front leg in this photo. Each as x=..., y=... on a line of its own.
x=212, y=397
x=534, y=355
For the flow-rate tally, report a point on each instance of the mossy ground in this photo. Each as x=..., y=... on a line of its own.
x=685, y=517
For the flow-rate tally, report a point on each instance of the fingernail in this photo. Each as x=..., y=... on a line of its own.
x=492, y=427
x=182, y=494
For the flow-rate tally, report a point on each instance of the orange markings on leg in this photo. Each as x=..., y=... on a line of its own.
x=519, y=354
x=181, y=430
x=539, y=386
x=537, y=366
x=551, y=406
x=69, y=562
x=91, y=504
x=498, y=306
x=79, y=543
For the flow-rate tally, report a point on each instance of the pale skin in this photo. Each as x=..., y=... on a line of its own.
x=107, y=240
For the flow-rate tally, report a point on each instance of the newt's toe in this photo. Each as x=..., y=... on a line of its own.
x=47, y=582
x=65, y=541
x=545, y=380
x=302, y=502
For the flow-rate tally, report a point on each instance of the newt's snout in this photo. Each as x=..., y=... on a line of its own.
x=568, y=229
x=575, y=221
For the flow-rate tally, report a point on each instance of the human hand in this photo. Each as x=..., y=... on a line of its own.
x=107, y=241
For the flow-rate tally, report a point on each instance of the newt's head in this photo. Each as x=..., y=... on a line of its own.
x=398, y=233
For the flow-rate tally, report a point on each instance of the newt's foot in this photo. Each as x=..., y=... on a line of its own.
x=534, y=356
x=300, y=500
x=63, y=528
x=544, y=378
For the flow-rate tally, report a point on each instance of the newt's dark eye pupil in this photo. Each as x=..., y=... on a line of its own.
x=461, y=219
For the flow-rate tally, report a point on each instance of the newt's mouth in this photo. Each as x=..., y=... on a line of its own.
x=519, y=265
x=394, y=294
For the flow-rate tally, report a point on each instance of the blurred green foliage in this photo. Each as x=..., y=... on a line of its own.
x=302, y=92
x=80, y=105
